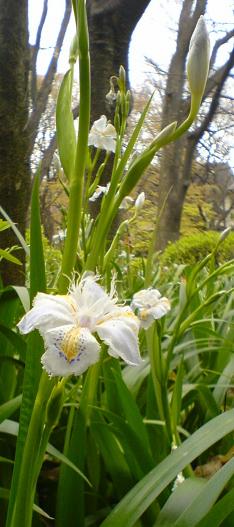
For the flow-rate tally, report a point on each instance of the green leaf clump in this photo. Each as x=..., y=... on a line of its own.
x=191, y=249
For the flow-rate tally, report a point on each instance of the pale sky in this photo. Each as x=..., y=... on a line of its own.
x=153, y=37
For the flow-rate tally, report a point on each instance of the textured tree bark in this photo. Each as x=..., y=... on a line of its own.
x=172, y=185
x=18, y=129
x=14, y=139
x=111, y=24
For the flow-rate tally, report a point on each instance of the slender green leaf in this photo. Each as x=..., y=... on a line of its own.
x=34, y=342
x=219, y=512
x=4, y=493
x=136, y=502
x=12, y=428
x=115, y=461
x=177, y=394
x=206, y=498
x=37, y=262
x=4, y=225
x=70, y=495
x=7, y=409
x=181, y=498
x=16, y=231
x=6, y=460
x=6, y=255
x=16, y=340
x=133, y=139
x=23, y=295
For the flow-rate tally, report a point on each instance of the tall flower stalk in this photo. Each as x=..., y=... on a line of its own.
x=77, y=177
x=23, y=506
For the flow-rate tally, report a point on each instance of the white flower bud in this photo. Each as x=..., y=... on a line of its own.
x=139, y=203
x=198, y=59
x=165, y=133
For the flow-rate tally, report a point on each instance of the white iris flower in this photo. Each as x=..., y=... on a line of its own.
x=99, y=191
x=68, y=324
x=150, y=306
x=103, y=135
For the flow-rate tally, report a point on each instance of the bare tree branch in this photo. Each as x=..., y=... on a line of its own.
x=35, y=50
x=218, y=44
x=215, y=99
x=46, y=86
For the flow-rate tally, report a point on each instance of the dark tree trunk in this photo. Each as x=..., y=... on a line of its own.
x=14, y=140
x=111, y=24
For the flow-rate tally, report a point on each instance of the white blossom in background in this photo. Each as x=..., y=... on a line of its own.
x=103, y=135
x=68, y=324
x=126, y=203
x=60, y=237
x=99, y=191
x=149, y=306
x=139, y=203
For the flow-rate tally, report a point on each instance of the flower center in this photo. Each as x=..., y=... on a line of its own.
x=70, y=344
x=86, y=321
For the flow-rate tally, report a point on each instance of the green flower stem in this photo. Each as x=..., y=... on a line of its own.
x=23, y=507
x=124, y=225
x=41, y=453
x=53, y=410
x=89, y=189
x=98, y=241
x=159, y=379
x=194, y=109
x=89, y=392
x=77, y=179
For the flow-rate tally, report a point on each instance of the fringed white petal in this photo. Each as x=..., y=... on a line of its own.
x=48, y=311
x=91, y=298
x=119, y=331
x=103, y=135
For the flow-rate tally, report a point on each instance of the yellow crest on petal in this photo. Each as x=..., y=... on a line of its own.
x=70, y=344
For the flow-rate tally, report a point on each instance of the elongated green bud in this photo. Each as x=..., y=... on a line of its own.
x=122, y=79
x=74, y=50
x=163, y=137
x=54, y=405
x=198, y=59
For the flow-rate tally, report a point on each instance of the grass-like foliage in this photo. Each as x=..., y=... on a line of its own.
x=116, y=401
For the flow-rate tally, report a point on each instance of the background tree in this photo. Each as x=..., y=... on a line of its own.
x=176, y=159
x=20, y=93
x=14, y=114
x=111, y=24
